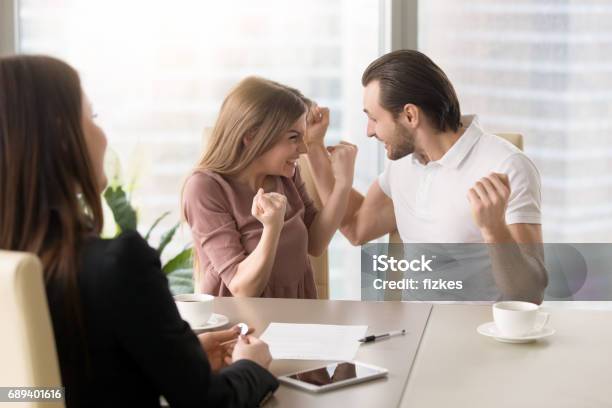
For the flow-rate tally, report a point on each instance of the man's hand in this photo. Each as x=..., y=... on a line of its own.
x=317, y=122
x=342, y=158
x=489, y=199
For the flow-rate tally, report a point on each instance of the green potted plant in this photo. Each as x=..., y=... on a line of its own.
x=179, y=268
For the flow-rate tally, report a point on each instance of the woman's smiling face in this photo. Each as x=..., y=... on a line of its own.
x=281, y=159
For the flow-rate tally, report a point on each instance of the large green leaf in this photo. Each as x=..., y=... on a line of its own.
x=161, y=217
x=181, y=281
x=123, y=212
x=184, y=260
x=166, y=238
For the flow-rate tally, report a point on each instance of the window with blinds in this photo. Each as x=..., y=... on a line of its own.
x=157, y=72
x=542, y=68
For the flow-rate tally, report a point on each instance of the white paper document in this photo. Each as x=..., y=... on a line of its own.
x=313, y=341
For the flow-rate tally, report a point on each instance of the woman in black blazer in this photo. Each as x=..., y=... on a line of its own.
x=119, y=337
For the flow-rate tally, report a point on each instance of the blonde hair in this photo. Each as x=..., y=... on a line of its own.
x=258, y=108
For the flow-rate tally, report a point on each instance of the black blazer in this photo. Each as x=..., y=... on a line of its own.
x=135, y=345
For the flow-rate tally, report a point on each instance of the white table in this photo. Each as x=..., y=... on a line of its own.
x=457, y=367
x=454, y=365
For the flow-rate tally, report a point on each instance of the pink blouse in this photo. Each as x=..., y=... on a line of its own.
x=218, y=210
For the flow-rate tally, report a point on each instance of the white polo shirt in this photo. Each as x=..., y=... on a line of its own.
x=430, y=200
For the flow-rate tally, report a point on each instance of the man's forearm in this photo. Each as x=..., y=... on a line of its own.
x=518, y=269
x=328, y=220
x=321, y=170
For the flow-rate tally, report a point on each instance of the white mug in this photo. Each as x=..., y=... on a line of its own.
x=195, y=308
x=516, y=319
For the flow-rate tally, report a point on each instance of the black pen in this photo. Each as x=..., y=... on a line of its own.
x=373, y=337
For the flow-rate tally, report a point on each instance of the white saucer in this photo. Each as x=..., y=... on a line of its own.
x=216, y=320
x=490, y=330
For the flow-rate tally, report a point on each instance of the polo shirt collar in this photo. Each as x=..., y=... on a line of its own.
x=459, y=151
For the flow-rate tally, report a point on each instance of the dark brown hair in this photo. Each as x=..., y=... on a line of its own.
x=49, y=196
x=410, y=77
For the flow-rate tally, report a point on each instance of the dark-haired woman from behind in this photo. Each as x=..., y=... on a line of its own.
x=119, y=337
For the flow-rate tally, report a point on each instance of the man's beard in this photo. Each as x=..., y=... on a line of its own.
x=402, y=143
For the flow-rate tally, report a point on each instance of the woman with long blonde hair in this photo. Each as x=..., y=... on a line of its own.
x=252, y=221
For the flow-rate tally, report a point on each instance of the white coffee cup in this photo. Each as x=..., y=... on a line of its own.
x=517, y=319
x=195, y=309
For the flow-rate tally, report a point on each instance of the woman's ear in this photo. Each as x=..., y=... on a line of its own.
x=248, y=137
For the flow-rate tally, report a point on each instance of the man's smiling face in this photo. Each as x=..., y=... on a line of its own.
x=398, y=140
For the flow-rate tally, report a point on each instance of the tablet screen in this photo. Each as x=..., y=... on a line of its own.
x=334, y=373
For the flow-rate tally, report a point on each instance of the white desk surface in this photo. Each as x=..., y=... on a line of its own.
x=395, y=354
x=454, y=365
x=457, y=367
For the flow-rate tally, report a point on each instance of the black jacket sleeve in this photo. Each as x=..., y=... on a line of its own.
x=152, y=333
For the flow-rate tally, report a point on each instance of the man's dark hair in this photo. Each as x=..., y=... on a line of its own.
x=410, y=77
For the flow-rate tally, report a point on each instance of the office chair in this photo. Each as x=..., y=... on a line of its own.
x=27, y=347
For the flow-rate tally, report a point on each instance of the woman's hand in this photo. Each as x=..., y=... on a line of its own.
x=251, y=348
x=269, y=208
x=217, y=350
x=317, y=122
x=343, y=162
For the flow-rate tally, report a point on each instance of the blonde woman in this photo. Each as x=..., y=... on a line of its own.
x=252, y=221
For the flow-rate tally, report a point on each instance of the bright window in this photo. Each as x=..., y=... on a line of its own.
x=157, y=72
x=542, y=68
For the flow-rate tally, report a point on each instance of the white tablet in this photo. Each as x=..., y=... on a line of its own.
x=333, y=376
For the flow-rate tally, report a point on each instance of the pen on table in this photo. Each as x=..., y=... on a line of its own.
x=374, y=337
x=226, y=343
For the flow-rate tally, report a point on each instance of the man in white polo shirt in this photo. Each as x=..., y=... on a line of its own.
x=431, y=198
x=448, y=181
